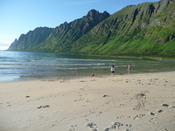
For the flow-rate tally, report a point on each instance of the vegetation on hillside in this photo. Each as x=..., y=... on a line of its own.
x=146, y=29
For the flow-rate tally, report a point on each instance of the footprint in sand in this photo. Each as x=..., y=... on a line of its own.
x=46, y=106
x=73, y=128
x=173, y=106
x=139, y=116
x=165, y=105
x=152, y=113
x=153, y=121
x=117, y=125
x=93, y=126
x=160, y=111
x=39, y=107
x=141, y=98
x=105, y=95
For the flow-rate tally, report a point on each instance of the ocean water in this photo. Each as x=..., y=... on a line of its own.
x=19, y=66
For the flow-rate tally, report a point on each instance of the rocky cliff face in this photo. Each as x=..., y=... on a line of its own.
x=60, y=38
x=31, y=39
x=144, y=29
x=66, y=34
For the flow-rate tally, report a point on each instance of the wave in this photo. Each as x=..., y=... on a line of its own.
x=8, y=78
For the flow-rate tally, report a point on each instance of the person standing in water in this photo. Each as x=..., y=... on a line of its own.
x=112, y=70
x=129, y=67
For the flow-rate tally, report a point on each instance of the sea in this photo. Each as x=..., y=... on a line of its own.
x=24, y=66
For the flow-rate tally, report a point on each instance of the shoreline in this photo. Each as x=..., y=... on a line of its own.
x=80, y=76
x=134, y=102
x=112, y=56
x=31, y=66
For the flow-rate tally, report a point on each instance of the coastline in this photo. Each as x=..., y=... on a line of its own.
x=129, y=57
x=142, y=101
x=21, y=66
x=111, y=56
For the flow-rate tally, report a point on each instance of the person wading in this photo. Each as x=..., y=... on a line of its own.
x=112, y=70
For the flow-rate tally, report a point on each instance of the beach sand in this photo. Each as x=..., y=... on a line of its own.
x=132, y=102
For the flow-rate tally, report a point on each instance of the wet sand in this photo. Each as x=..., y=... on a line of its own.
x=133, y=102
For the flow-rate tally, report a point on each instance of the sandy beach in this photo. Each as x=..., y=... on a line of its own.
x=132, y=102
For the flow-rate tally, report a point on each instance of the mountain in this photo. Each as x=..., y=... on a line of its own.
x=147, y=29
x=31, y=39
x=61, y=37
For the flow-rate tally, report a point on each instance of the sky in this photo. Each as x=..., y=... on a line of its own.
x=20, y=16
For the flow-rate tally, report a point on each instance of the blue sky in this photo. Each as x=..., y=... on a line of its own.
x=20, y=16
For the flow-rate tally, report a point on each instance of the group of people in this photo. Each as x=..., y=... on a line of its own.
x=113, y=69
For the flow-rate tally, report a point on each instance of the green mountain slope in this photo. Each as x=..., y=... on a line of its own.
x=62, y=37
x=146, y=29
x=31, y=39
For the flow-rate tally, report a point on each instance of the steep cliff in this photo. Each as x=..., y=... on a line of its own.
x=61, y=37
x=31, y=39
x=146, y=29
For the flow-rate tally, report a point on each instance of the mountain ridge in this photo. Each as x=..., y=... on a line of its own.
x=132, y=29
x=147, y=29
x=65, y=33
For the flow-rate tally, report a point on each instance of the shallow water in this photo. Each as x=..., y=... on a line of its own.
x=17, y=66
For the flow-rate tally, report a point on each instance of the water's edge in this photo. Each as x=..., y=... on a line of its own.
x=24, y=66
